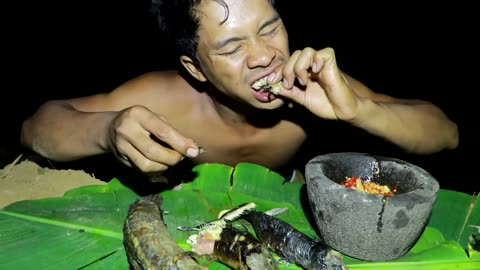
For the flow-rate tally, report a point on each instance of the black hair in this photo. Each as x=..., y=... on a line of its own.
x=179, y=20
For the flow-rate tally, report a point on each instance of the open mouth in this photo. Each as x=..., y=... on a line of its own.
x=264, y=86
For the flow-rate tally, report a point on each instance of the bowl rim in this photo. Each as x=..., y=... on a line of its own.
x=429, y=183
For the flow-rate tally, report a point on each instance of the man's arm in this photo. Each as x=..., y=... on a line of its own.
x=60, y=132
x=118, y=122
x=414, y=125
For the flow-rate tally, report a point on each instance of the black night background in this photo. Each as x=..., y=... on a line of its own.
x=56, y=50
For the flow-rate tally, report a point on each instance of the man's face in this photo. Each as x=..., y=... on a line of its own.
x=248, y=46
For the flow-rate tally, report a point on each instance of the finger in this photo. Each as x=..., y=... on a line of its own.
x=124, y=160
x=287, y=71
x=294, y=94
x=138, y=160
x=303, y=65
x=318, y=62
x=164, y=133
x=134, y=138
x=136, y=147
x=325, y=64
x=121, y=152
x=157, y=151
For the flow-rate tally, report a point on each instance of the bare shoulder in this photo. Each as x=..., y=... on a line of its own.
x=158, y=86
x=156, y=81
x=154, y=90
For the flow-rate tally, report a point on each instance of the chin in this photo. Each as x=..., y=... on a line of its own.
x=270, y=105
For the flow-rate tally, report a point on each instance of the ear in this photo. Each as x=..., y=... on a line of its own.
x=192, y=68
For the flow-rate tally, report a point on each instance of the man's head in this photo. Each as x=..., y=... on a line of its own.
x=230, y=43
x=180, y=20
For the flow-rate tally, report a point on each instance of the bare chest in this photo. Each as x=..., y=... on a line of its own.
x=270, y=143
x=270, y=147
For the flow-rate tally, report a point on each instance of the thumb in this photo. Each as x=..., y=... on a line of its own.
x=194, y=151
x=294, y=94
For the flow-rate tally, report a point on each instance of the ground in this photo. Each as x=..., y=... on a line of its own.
x=25, y=179
x=26, y=175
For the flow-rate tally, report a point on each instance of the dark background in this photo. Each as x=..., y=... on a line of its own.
x=67, y=49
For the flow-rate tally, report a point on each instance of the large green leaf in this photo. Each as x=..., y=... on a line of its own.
x=83, y=229
x=460, y=210
x=74, y=231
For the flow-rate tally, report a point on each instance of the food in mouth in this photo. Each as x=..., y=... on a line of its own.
x=265, y=86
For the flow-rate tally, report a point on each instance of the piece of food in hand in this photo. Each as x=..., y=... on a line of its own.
x=148, y=243
x=201, y=150
x=264, y=85
x=218, y=240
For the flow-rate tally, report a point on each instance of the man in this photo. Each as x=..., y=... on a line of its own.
x=154, y=121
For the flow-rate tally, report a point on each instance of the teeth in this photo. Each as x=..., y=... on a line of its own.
x=259, y=84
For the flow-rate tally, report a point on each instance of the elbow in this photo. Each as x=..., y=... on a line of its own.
x=25, y=134
x=30, y=138
x=448, y=139
x=31, y=126
x=33, y=129
x=27, y=139
x=445, y=135
x=454, y=139
x=450, y=136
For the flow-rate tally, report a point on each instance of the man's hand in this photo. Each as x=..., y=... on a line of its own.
x=323, y=89
x=140, y=138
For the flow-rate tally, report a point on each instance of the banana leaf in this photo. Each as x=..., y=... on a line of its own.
x=83, y=229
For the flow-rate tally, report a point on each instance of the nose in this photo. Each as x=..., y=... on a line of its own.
x=260, y=55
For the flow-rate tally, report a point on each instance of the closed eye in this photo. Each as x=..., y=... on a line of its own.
x=272, y=32
x=231, y=52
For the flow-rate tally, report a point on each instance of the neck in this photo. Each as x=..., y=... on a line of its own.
x=238, y=114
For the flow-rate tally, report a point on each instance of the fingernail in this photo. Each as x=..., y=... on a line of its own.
x=285, y=82
x=192, y=152
x=271, y=77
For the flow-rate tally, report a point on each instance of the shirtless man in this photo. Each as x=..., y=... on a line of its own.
x=153, y=121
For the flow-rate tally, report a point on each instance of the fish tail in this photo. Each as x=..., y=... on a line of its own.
x=291, y=244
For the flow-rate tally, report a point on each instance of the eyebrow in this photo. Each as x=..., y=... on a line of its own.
x=224, y=42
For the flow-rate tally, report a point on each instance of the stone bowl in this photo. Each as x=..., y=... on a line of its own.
x=366, y=226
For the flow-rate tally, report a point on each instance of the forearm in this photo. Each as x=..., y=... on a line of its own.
x=418, y=127
x=59, y=132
